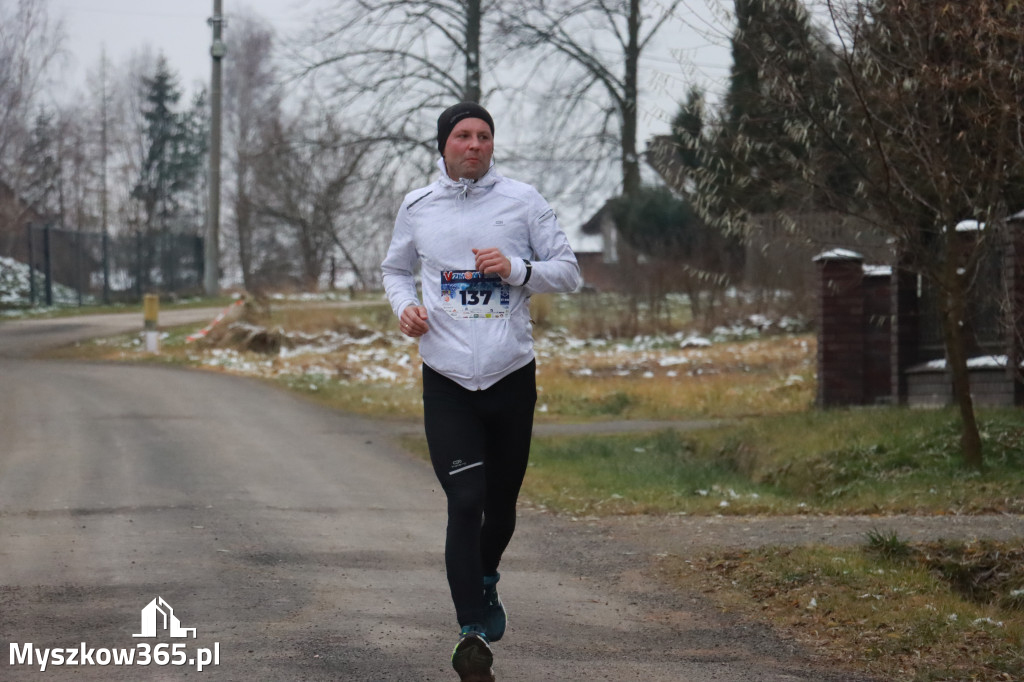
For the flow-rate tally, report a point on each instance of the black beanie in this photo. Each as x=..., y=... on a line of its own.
x=451, y=116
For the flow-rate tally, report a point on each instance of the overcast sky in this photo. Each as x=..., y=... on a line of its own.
x=178, y=29
x=691, y=47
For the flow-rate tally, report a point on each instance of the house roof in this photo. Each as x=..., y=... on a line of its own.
x=663, y=156
x=593, y=226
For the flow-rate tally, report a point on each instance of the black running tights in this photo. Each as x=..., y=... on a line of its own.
x=479, y=445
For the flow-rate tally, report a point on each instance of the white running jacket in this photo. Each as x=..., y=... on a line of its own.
x=479, y=325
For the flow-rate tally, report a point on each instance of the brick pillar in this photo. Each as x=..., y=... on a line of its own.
x=1014, y=272
x=840, y=329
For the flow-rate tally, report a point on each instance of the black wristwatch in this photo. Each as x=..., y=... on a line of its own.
x=529, y=271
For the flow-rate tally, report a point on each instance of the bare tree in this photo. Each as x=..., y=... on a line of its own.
x=77, y=176
x=100, y=86
x=252, y=103
x=925, y=112
x=596, y=48
x=309, y=181
x=30, y=44
x=127, y=130
x=396, y=59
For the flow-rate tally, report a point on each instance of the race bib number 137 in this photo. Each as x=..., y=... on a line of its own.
x=470, y=294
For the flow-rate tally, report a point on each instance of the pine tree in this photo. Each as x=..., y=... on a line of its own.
x=688, y=130
x=174, y=150
x=760, y=137
x=40, y=160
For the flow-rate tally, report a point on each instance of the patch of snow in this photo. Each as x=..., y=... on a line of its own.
x=838, y=254
x=987, y=621
x=312, y=297
x=759, y=321
x=980, y=362
x=377, y=373
x=969, y=226
x=16, y=286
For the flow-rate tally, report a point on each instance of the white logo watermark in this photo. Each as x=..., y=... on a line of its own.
x=151, y=621
x=157, y=616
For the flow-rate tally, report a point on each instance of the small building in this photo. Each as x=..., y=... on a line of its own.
x=600, y=267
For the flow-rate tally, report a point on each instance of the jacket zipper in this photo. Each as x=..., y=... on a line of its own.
x=473, y=324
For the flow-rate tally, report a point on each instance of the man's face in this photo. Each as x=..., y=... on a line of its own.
x=467, y=153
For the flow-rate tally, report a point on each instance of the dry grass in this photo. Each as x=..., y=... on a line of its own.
x=910, y=619
x=769, y=376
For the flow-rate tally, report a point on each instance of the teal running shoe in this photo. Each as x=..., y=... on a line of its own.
x=472, y=657
x=495, y=615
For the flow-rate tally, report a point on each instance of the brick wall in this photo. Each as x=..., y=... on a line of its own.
x=870, y=338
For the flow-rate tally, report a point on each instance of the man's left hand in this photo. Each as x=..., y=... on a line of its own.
x=493, y=260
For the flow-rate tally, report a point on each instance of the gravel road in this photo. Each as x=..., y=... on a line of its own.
x=304, y=544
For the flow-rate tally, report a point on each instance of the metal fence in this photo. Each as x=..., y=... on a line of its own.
x=986, y=319
x=99, y=268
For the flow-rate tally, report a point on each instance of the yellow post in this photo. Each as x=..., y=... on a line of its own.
x=150, y=313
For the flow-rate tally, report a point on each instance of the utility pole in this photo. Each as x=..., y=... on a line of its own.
x=211, y=250
x=104, y=217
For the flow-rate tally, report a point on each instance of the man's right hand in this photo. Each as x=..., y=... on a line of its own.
x=413, y=321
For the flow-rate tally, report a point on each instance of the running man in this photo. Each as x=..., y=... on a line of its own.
x=483, y=243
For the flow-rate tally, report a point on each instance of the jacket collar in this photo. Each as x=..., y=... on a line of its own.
x=464, y=186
